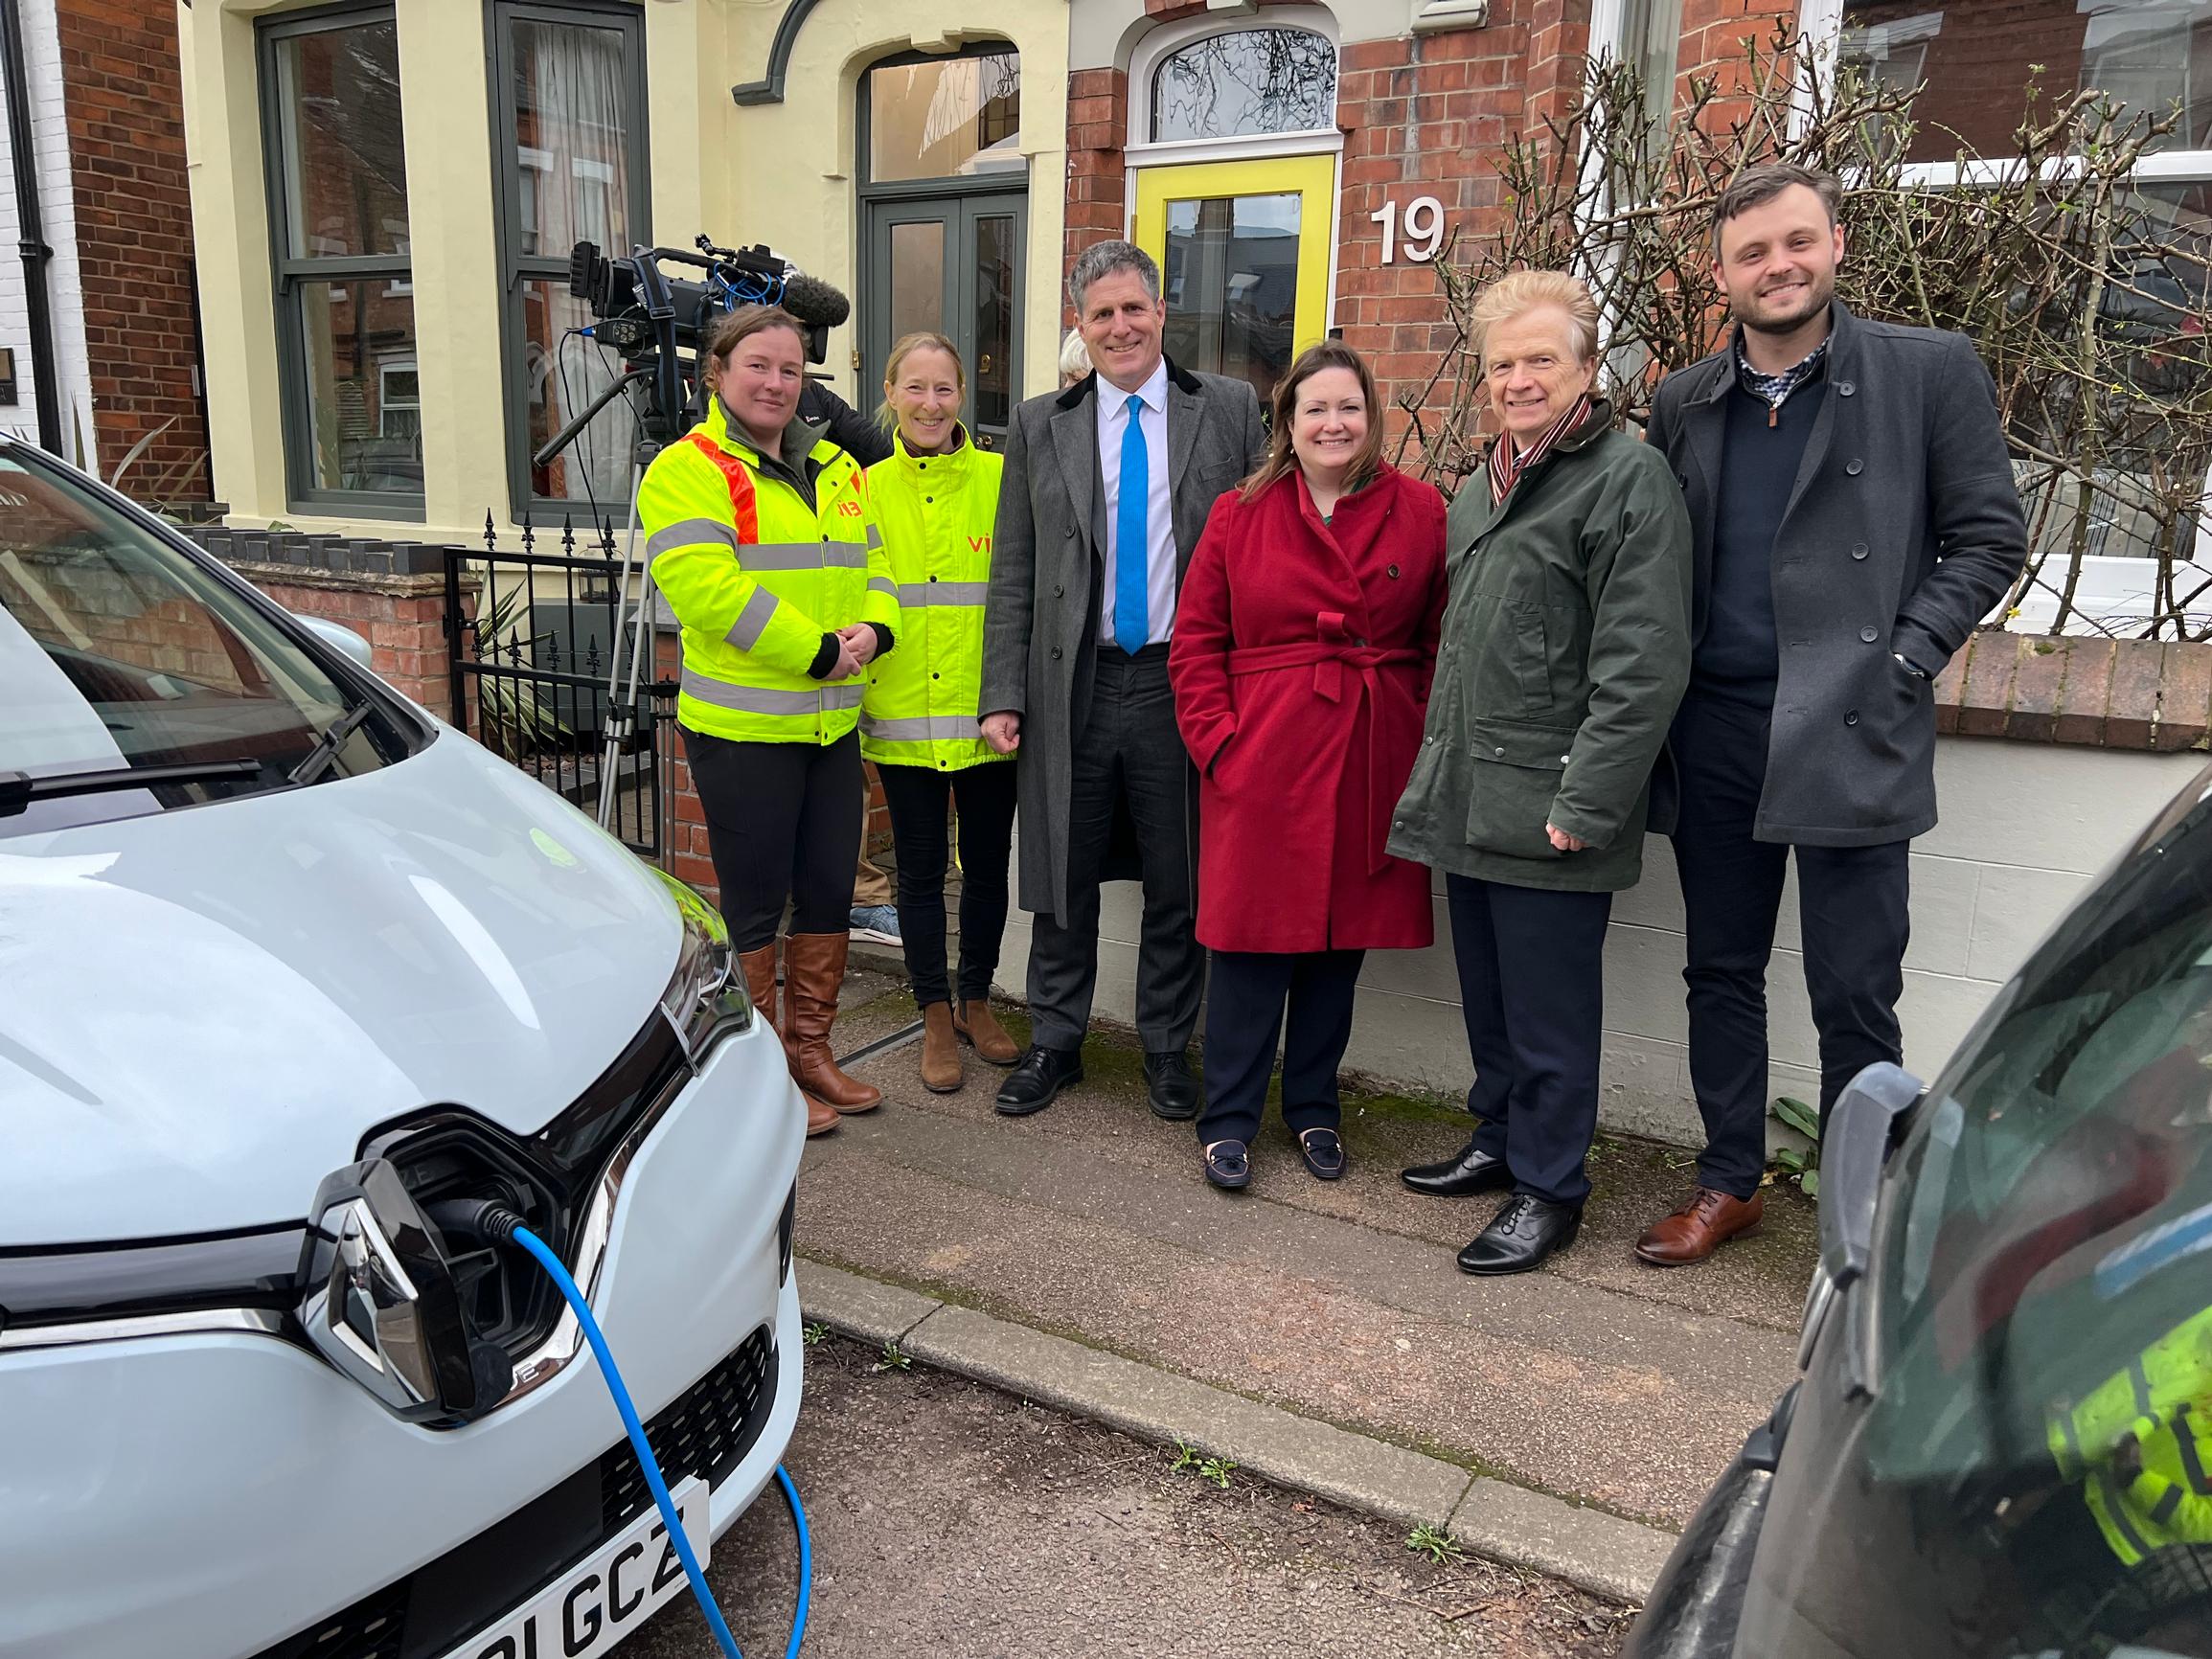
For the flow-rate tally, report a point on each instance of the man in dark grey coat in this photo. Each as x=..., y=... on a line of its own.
x=1853, y=517
x=1108, y=486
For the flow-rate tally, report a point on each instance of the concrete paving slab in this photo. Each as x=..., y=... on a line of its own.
x=866, y=1308
x=1602, y=1553
x=1154, y=1404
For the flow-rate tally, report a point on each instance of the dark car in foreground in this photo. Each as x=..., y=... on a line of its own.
x=1999, y=1447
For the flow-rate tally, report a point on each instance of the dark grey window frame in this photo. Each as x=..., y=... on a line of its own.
x=516, y=268
x=873, y=222
x=301, y=494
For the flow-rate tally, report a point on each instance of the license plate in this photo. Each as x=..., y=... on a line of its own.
x=604, y=1596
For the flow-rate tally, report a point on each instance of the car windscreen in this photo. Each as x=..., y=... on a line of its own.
x=2044, y=1306
x=134, y=680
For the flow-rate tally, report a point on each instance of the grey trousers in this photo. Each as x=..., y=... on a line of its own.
x=1129, y=753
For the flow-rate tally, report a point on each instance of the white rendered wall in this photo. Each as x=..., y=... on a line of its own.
x=65, y=289
x=2025, y=828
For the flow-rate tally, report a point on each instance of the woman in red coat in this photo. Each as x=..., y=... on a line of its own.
x=1304, y=639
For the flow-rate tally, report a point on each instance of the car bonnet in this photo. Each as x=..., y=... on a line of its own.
x=203, y=1010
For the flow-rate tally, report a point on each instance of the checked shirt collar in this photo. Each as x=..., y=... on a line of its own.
x=1774, y=390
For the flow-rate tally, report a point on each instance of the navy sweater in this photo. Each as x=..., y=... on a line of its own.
x=1736, y=654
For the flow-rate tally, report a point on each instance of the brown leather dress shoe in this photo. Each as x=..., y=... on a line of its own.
x=814, y=969
x=759, y=970
x=1699, y=1228
x=940, y=1073
x=976, y=1024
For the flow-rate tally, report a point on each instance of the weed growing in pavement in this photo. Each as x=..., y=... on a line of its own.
x=1207, y=1468
x=1437, y=1544
x=814, y=1334
x=892, y=1359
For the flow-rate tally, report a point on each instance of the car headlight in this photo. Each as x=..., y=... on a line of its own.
x=705, y=999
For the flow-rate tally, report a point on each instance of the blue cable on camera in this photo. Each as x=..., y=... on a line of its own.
x=650, y=1464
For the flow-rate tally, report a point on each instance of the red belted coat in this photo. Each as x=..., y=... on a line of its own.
x=1301, y=665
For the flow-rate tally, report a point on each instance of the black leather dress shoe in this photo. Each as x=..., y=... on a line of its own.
x=1465, y=1172
x=1172, y=1087
x=1030, y=1087
x=1521, y=1236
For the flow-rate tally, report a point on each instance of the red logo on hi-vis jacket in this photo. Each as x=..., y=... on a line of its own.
x=849, y=509
x=979, y=544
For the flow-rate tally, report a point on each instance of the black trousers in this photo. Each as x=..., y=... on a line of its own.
x=784, y=825
x=1128, y=751
x=1246, y=993
x=917, y=797
x=1852, y=908
x=1532, y=990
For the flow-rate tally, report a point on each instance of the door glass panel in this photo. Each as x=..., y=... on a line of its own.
x=917, y=277
x=1231, y=277
x=953, y=118
x=345, y=173
x=991, y=368
x=1252, y=81
x=363, y=404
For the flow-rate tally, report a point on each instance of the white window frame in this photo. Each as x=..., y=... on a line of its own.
x=384, y=401
x=2111, y=586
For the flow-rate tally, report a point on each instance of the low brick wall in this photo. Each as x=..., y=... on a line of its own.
x=2151, y=695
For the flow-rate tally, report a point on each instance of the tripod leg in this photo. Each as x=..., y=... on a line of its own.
x=622, y=711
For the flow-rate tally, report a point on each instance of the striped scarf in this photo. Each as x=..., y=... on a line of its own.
x=1506, y=467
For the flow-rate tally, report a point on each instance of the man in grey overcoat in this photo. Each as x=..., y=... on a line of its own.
x=1108, y=486
x=1853, y=517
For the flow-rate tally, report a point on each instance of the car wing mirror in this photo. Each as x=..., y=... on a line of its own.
x=1861, y=1126
x=339, y=637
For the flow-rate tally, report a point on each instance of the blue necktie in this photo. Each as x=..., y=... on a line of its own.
x=1132, y=546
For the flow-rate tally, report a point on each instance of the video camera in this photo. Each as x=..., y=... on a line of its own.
x=660, y=323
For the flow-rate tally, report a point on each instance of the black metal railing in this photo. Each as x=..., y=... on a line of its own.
x=532, y=661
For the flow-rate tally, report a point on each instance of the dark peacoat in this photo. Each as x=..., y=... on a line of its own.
x=1041, y=624
x=1301, y=662
x=1903, y=530
x=1567, y=646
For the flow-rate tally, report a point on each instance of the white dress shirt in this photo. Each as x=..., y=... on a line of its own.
x=1159, y=514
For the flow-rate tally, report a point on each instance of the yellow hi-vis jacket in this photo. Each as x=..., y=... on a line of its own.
x=756, y=576
x=937, y=512
x=2163, y=1400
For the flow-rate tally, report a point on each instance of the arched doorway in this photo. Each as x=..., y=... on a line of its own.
x=944, y=217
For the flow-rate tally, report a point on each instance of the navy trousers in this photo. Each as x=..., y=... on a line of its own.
x=1246, y=994
x=1532, y=988
x=1853, y=907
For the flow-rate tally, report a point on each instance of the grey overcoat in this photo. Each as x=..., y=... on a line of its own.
x=1040, y=625
x=1901, y=533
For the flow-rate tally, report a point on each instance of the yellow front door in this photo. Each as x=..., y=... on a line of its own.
x=1243, y=248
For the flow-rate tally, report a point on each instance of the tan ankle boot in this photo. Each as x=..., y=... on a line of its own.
x=814, y=967
x=976, y=1023
x=941, y=1070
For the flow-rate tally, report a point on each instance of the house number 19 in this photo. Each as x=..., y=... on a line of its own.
x=1424, y=228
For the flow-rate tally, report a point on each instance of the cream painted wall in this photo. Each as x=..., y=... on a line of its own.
x=778, y=173
x=2026, y=828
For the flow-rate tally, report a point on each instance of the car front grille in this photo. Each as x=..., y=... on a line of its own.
x=706, y=1431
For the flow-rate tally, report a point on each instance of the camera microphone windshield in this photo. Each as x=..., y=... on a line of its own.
x=814, y=301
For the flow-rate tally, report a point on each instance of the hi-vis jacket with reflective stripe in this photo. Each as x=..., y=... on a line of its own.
x=937, y=512
x=758, y=573
x=2163, y=1400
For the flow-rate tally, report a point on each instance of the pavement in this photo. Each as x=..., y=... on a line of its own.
x=951, y=1520
x=1596, y=1388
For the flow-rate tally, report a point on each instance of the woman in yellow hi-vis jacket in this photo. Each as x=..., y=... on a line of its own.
x=936, y=498
x=760, y=537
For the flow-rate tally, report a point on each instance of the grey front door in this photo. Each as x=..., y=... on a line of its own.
x=953, y=265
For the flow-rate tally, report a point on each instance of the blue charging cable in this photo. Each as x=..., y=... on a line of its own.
x=547, y=1259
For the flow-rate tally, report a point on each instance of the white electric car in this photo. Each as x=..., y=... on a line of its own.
x=287, y=969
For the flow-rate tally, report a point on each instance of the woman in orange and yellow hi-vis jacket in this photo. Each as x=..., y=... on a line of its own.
x=760, y=537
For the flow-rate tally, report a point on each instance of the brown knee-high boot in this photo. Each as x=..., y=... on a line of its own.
x=759, y=970
x=814, y=967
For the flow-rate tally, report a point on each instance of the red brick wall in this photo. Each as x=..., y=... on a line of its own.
x=1097, y=200
x=125, y=97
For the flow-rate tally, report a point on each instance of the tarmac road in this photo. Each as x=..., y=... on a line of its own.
x=952, y=1521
